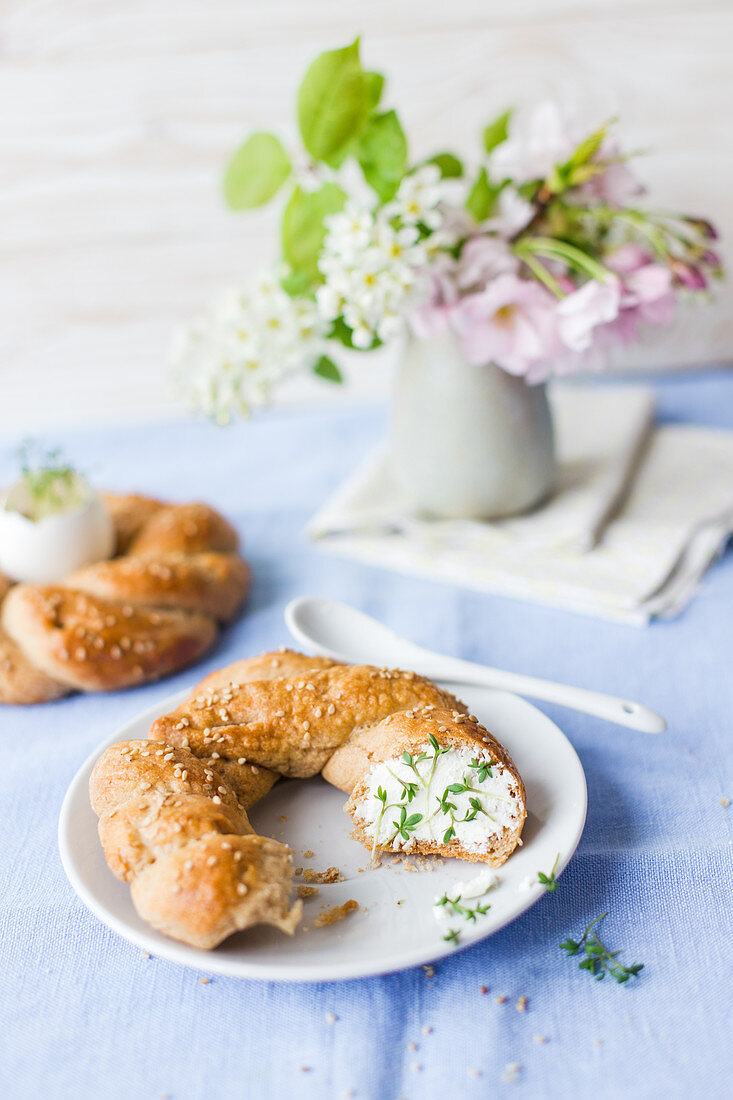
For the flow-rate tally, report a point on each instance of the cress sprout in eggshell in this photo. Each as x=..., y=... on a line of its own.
x=51, y=523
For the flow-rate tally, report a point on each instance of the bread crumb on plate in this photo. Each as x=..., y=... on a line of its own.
x=336, y=913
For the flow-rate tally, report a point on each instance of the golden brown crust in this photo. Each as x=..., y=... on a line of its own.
x=203, y=892
x=21, y=681
x=209, y=582
x=173, y=827
x=294, y=725
x=144, y=828
x=130, y=513
x=185, y=529
x=100, y=645
x=196, y=872
x=132, y=768
x=119, y=623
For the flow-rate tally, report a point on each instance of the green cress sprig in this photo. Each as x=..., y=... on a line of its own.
x=598, y=960
x=465, y=911
x=549, y=880
x=405, y=825
x=50, y=482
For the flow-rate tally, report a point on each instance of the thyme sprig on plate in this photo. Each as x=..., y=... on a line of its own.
x=549, y=880
x=598, y=960
x=465, y=911
x=452, y=937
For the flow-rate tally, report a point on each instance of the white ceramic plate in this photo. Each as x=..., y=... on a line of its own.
x=395, y=926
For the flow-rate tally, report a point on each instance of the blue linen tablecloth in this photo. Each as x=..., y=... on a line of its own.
x=85, y=1014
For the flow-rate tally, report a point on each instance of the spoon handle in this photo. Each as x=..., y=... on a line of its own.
x=624, y=712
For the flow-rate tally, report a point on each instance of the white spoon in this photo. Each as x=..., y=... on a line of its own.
x=334, y=629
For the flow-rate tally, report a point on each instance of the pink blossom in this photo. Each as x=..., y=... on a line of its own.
x=432, y=316
x=482, y=259
x=616, y=184
x=511, y=323
x=586, y=309
x=647, y=294
x=688, y=275
x=626, y=258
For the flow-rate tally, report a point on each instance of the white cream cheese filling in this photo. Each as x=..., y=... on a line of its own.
x=436, y=797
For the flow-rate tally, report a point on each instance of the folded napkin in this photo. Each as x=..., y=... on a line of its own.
x=637, y=516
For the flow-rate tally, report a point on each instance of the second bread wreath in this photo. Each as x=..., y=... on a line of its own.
x=147, y=612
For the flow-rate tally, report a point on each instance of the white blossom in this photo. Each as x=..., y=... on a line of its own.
x=419, y=197
x=374, y=269
x=227, y=362
x=539, y=138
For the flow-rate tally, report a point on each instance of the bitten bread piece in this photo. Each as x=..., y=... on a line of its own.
x=460, y=790
x=142, y=615
x=173, y=828
x=423, y=776
x=218, y=885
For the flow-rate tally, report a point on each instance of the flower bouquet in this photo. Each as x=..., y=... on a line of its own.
x=535, y=260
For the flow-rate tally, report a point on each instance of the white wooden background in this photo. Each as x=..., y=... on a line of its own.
x=116, y=117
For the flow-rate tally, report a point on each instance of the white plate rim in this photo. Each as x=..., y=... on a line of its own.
x=228, y=966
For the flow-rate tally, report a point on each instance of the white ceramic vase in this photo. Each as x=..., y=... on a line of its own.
x=468, y=442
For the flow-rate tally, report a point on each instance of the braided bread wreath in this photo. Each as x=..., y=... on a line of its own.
x=148, y=612
x=173, y=809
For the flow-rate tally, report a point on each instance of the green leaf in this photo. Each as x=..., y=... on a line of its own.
x=382, y=154
x=374, y=88
x=326, y=368
x=303, y=227
x=333, y=101
x=482, y=197
x=296, y=283
x=589, y=146
x=497, y=131
x=450, y=166
x=578, y=169
x=256, y=172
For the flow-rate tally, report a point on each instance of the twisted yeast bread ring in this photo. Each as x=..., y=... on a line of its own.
x=148, y=612
x=172, y=810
